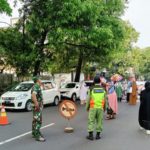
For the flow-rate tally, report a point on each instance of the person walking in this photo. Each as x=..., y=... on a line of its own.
x=96, y=104
x=129, y=89
x=144, y=109
x=119, y=91
x=124, y=90
x=133, y=95
x=112, y=109
x=37, y=100
x=83, y=93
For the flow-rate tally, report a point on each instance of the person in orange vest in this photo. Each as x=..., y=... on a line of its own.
x=96, y=104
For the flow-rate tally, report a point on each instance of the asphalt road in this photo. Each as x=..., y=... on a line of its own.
x=123, y=133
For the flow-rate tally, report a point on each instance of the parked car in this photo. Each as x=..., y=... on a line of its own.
x=19, y=97
x=70, y=90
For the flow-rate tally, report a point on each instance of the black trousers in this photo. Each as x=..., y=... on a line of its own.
x=128, y=97
x=119, y=99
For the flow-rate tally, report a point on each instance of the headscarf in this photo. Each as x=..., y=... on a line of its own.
x=147, y=86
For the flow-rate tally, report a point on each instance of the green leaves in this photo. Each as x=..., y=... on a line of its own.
x=4, y=7
x=61, y=33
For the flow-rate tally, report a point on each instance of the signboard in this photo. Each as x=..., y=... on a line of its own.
x=68, y=109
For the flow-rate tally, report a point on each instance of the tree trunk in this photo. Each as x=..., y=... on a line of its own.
x=78, y=68
x=2, y=70
x=40, y=47
x=37, y=68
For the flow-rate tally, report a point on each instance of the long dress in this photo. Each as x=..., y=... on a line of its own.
x=133, y=95
x=119, y=91
x=112, y=100
x=144, y=109
x=83, y=92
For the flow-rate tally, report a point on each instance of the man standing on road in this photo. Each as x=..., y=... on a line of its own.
x=96, y=102
x=37, y=100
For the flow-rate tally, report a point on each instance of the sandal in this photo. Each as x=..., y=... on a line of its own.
x=108, y=118
x=113, y=116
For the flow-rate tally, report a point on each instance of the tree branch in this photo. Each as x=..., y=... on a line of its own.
x=81, y=45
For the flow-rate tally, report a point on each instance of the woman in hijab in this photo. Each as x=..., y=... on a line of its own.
x=144, y=110
x=133, y=95
x=83, y=93
x=112, y=101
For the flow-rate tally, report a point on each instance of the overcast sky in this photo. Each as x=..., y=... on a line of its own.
x=137, y=13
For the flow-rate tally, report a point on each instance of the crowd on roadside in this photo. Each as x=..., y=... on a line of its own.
x=102, y=96
x=127, y=91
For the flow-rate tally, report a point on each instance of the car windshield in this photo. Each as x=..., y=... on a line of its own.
x=22, y=87
x=70, y=85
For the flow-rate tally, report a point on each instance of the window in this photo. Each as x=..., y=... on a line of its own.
x=48, y=85
x=70, y=85
x=22, y=87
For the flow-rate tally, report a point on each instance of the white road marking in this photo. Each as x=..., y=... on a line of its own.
x=24, y=134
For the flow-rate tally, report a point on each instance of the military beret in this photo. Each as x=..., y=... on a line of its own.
x=35, y=78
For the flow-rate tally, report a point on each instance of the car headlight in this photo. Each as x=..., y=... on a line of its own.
x=22, y=96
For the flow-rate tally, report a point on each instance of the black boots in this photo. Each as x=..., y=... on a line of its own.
x=98, y=136
x=90, y=136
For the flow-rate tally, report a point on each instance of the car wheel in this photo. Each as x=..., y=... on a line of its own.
x=74, y=97
x=29, y=106
x=56, y=101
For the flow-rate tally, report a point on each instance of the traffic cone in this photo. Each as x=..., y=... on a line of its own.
x=3, y=117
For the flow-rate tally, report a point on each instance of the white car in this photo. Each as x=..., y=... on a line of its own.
x=70, y=90
x=19, y=97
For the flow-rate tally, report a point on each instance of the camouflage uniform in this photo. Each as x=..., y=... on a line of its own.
x=37, y=114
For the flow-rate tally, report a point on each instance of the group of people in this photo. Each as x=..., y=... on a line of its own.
x=113, y=95
x=101, y=97
x=104, y=96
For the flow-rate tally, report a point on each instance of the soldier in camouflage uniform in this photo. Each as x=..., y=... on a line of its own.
x=37, y=100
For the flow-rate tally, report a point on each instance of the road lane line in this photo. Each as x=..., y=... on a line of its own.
x=24, y=134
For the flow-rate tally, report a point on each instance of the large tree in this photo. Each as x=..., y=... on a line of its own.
x=145, y=63
x=12, y=50
x=37, y=17
x=89, y=28
x=69, y=33
x=4, y=7
x=119, y=61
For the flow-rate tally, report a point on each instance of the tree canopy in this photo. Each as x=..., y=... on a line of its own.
x=61, y=35
x=4, y=7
